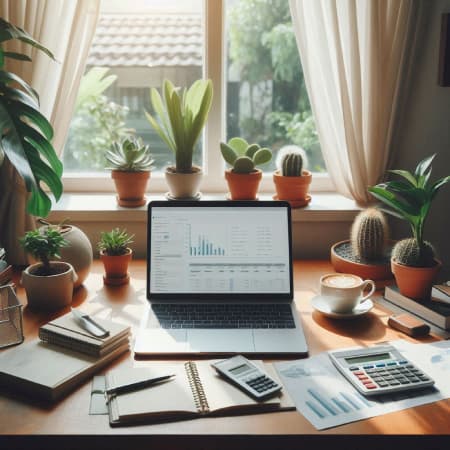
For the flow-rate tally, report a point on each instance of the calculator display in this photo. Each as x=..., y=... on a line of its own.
x=240, y=369
x=368, y=358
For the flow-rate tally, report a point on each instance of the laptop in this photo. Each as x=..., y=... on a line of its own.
x=220, y=280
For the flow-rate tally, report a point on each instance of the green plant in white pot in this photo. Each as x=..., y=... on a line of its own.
x=413, y=260
x=180, y=116
x=48, y=283
x=25, y=134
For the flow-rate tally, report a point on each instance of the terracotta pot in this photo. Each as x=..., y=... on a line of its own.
x=415, y=282
x=116, y=268
x=381, y=273
x=243, y=186
x=51, y=292
x=184, y=185
x=131, y=187
x=292, y=188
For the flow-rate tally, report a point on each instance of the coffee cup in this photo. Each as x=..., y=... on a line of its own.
x=344, y=291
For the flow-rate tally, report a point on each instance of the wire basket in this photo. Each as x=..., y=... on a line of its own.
x=11, y=329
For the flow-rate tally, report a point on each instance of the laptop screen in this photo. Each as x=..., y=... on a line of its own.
x=219, y=248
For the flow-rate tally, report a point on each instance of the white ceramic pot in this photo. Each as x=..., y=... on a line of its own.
x=183, y=185
x=51, y=292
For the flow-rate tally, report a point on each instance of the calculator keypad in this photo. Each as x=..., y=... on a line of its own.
x=260, y=383
x=385, y=375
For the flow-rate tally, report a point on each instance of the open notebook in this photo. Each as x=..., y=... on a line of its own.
x=195, y=391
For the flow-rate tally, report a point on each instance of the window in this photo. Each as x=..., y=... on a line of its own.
x=139, y=44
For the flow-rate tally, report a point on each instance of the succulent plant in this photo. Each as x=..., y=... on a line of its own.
x=115, y=242
x=369, y=235
x=291, y=160
x=409, y=253
x=130, y=155
x=242, y=156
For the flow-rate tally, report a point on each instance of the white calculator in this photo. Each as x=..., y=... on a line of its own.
x=379, y=370
x=248, y=377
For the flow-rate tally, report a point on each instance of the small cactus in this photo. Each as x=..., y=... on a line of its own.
x=409, y=253
x=369, y=234
x=291, y=160
x=292, y=165
x=244, y=157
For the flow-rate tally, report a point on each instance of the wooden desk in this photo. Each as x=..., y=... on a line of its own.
x=30, y=422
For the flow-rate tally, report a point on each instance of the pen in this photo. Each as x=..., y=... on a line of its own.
x=89, y=324
x=132, y=387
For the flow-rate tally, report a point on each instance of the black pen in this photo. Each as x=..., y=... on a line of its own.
x=132, y=387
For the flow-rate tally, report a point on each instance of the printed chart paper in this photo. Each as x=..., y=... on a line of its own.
x=327, y=399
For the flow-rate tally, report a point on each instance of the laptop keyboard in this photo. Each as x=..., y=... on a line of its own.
x=224, y=316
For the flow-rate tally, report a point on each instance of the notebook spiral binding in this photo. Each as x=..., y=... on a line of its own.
x=198, y=393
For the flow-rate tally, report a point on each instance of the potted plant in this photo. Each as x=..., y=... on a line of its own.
x=367, y=252
x=115, y=254
x=48, y=284
x=243, y=178
x=130, y=162
x=291, y=179
x=179, y=120
x=25, y=133
x=413, y=260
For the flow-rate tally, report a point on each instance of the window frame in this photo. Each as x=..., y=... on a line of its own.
x=213, y=178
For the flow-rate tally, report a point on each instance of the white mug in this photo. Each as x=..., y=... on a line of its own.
x=344, y=291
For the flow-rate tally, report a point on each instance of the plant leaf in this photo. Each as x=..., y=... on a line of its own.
x=229, y=155
x=438, y=184
x=6, y=77
x=390, y=199
x=18, y=56
x=407, y=175
x=239, y=145
x=423, y=166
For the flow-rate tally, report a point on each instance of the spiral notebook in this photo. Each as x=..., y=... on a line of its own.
x=195, y=391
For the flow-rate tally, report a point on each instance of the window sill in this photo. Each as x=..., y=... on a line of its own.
x=102, y=207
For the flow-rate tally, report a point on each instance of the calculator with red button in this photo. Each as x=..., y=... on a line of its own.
x=379, y=370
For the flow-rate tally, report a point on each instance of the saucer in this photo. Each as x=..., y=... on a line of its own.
x=169, y=196
x=321, y=305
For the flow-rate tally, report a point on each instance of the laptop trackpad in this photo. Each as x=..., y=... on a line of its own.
x=217, y=341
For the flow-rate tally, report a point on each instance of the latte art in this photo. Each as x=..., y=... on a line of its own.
x=341, y=281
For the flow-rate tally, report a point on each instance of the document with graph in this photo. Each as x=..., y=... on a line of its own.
x=327, y=400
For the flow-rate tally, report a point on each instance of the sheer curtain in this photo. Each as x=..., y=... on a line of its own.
x=66, y=28
x=354, y=59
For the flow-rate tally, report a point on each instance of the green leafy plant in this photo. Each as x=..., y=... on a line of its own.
x=130, y=154
x=44, y=244
x=242, y=156
x=115, y=242
x=410, y=199
x=180, y=118
x=25, y=133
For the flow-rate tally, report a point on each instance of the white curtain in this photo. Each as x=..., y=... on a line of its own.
x=354, y=59
x=66, y=28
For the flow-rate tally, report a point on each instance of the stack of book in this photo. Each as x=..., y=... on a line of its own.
x=65, y=355
x=435, y=310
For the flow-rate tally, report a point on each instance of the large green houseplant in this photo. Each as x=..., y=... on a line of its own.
x=25, y=133
x=180, y=116
x=413, y=260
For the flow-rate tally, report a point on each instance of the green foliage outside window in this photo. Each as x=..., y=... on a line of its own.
x=263, y=50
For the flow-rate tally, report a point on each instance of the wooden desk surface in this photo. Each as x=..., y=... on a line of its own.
x=125, y=304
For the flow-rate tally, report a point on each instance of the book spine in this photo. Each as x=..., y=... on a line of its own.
x=69, y=343
x=201, y=402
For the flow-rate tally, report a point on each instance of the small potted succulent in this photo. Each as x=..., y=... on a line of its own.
x=116, y=255
x=243, y=178
x=413, y=260
x=179, y=120
x=291, y=178
x=48, y=284
x=367, y=252
x=130, y=162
